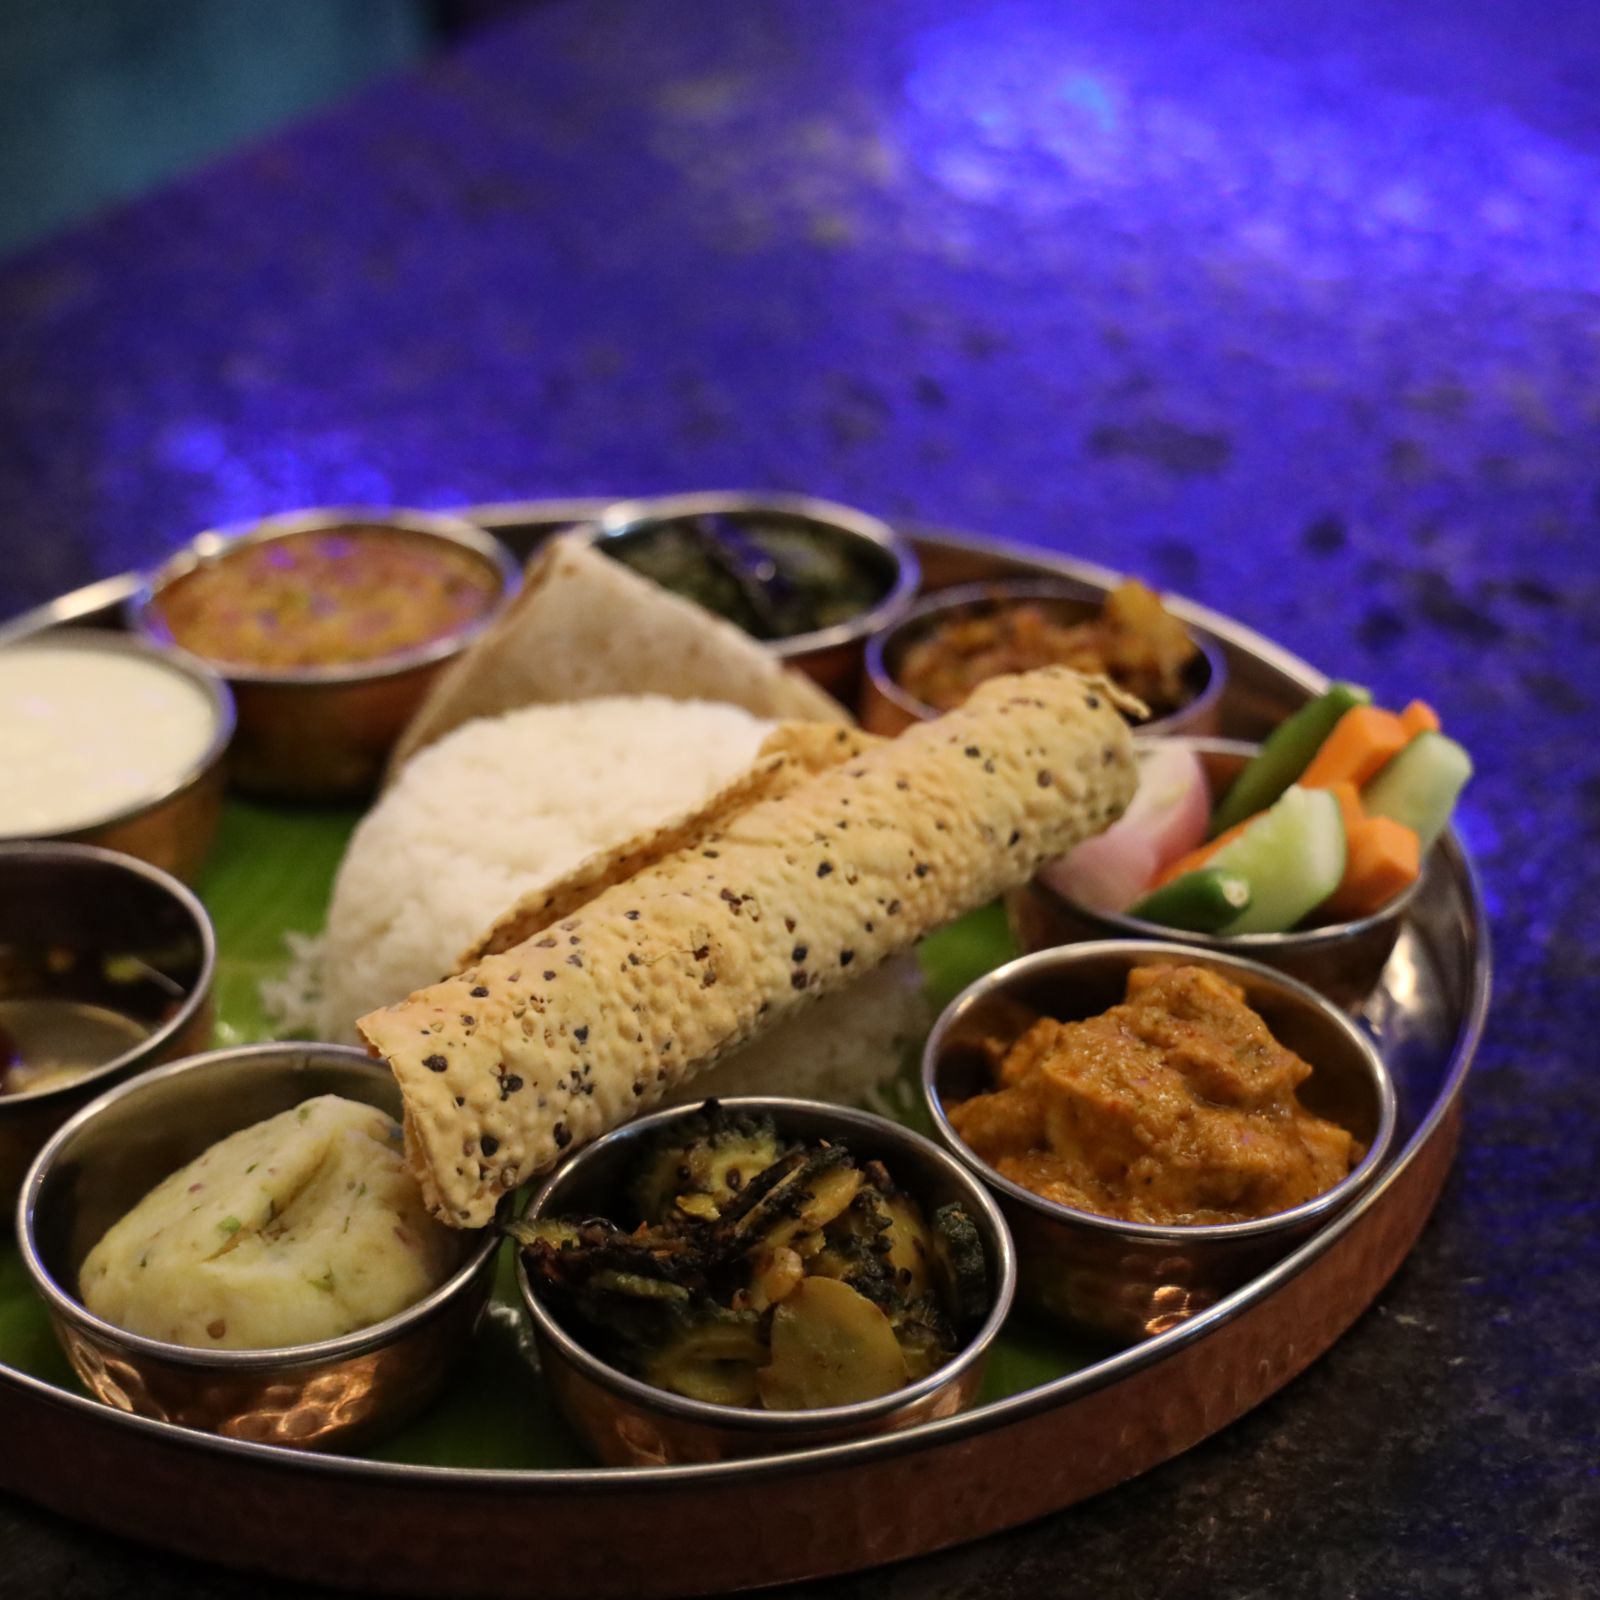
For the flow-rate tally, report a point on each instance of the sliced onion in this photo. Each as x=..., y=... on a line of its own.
x=1166, y=819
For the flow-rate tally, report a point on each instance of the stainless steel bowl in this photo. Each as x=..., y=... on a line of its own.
x=335, y=1392
x=887, y=707
x=172, y=827
x=832, y=656
x=322, y=733
x=1342, y=960
x=1127, y=1280
x=626, y=1422
x=65, y=910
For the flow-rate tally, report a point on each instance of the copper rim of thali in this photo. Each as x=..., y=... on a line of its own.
x=217, y=544
x=999, y=591
x=782, y=1424
x=1178, y=1235
x=196, y=670
x=510, y=518
x=1322, y=936
x=630, y=516
x=199, y=991
x=69, y=1307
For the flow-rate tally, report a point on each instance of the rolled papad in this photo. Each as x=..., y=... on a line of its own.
x=563, y=1036
x=789, y=755
x=584, y=626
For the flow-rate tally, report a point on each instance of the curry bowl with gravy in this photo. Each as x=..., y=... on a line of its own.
x=954, y=639
x=1158, y=1125
x=106, y=968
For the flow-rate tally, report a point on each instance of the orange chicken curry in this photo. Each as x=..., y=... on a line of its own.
x=1177, y=1106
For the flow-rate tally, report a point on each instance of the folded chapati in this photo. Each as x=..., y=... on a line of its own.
x=582, y=627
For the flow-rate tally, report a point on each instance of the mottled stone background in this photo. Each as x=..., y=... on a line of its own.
x=1294, y=309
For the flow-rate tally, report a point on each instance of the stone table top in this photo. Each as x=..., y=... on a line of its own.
x=1294, y=309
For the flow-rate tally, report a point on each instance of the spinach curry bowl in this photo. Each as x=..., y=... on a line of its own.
x=811, y=579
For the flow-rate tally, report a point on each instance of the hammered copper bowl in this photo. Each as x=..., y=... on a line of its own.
x=887, y=707
x=89, y=927
x=832, y=656
x=324, y=733
x=1342, y=960
x=1127, y=1280
x=172, y=827
x=626, y=1422
x=336, y=1393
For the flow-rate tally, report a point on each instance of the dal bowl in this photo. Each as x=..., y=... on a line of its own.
x=322, y=729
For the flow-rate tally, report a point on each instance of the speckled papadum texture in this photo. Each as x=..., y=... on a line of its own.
x=566, y=1035
x=789, y=755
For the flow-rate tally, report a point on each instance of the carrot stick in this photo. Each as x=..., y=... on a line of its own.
x=1363, y=739
x=1350, y=812
x=1419, y=717
x=1381, y=858
x=1201, y=853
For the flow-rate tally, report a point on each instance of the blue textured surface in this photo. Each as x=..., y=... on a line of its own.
x=1298, y=314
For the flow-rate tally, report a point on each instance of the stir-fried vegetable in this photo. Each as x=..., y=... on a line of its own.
x=760, y=1272
x=715, y=1157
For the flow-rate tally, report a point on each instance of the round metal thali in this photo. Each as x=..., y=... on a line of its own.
x=401, y=1527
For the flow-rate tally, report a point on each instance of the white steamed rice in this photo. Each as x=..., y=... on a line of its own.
x=505, y=805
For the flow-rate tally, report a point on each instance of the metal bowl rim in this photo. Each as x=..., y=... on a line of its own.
x=1176, y=1234
x=199, y=992
x=361, y=1341
x=781, y=1424
x=1000, y=591
x=199, y=672
x=216, y=544
x=631, y=516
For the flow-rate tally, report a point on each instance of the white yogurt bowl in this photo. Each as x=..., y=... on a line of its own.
x=111, y=741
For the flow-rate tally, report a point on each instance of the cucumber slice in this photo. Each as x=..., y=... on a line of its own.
x=1292, y=857
x=1420, y=785
x=1285, y=755
x=1202, y=901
